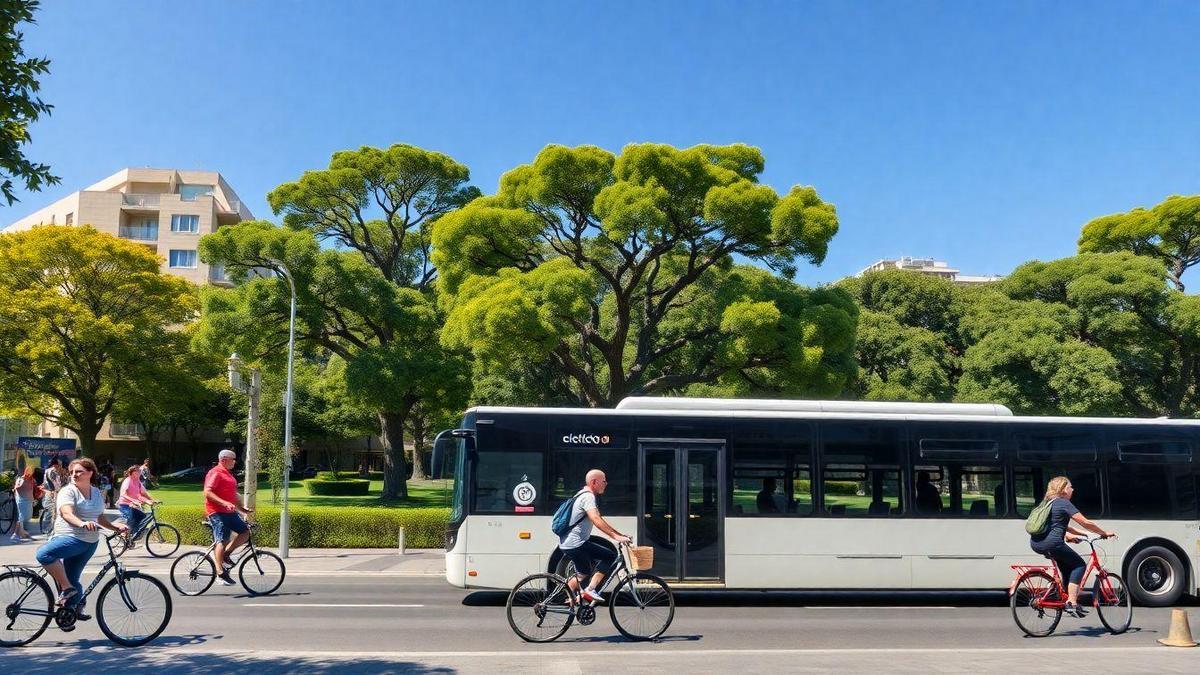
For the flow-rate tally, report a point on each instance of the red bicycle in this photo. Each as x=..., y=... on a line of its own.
x=1037, y=596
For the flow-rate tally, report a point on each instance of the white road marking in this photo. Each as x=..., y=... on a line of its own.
x=873, y=607
x=319, y=604
x=659, y=651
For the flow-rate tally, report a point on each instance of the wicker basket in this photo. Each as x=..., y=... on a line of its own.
x=642, y=557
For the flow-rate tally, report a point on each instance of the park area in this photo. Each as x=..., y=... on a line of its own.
x=323, y=520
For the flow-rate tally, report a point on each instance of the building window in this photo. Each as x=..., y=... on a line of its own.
x=183, y=223
x=189, y=193
x=124, y=429
x=141, y=229
x=70, y=218
x=182, y=258
x=217, y=272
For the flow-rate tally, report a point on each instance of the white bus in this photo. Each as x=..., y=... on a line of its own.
x=826, y=495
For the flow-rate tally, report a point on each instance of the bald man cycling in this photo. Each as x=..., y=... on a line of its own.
x=588, y=556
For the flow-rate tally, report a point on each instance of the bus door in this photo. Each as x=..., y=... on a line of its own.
x=682, y=502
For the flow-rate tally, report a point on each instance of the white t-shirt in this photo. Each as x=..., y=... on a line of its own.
x=580, y=533
x=85, y=509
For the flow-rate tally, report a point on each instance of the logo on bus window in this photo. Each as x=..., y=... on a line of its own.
x=586, y=439
x=524, y=493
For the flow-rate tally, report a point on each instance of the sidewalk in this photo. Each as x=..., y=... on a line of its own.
x=332, y=562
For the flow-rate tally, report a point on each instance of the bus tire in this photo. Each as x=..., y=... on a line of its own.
x=1156, y=577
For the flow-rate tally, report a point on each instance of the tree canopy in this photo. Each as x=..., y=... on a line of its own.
x=367, y=297
x=19, y=101
x=618, y=275
x=81, y=313
x=1168, y=232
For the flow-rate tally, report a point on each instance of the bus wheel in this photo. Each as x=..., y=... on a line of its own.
x=1156, y=577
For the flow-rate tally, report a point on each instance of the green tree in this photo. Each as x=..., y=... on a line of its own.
x=80, y=312
x=618, y=274
x=1090, y=334
x=908, y=345
x=1168, y=232
x=368, y=299
x=19, y=101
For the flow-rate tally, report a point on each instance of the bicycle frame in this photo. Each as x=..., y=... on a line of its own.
x=1093, y=564
x=41, y=572
x=144, y=526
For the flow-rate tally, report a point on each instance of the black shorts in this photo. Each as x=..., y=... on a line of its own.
x=590, y=557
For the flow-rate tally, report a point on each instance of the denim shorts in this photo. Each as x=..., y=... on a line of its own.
x=24, y=510
x=224, y=523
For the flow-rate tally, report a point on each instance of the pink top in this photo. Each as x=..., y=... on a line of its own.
x=132, y=492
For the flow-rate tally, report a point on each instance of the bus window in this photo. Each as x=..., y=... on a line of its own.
x=981, y=491
x=867, y=455
x=1151, y=491
x=771, y=484
x=569, y=467
x=497, y=474
x=1031, y=487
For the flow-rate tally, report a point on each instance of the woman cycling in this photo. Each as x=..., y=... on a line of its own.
x=133, y=496
x=1063, y=515
x=80, y=514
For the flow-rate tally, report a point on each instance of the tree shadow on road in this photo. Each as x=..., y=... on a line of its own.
x=88, y=656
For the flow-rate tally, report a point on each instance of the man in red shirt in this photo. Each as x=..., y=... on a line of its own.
x=222, y=509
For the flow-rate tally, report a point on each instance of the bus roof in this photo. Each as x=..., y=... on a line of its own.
x=749, y=413
x=784, y=405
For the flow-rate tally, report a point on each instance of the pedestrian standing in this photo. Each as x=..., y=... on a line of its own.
x=23, y=491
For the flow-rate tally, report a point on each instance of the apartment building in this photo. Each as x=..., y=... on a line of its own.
x=167, y=210
x=929, y=267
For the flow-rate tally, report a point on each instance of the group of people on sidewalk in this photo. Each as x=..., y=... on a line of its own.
x=36, y=485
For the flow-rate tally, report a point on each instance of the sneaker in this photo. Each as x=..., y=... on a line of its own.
x=15, y=538
x=227, y=566
x=226, y=580
x=81, y=615
x=1075, y=611
x=590, y=594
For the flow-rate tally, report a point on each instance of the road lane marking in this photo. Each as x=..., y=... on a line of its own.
x=320, y=604
x=151, y=649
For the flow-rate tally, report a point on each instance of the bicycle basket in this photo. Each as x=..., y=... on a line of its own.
x=642, y=557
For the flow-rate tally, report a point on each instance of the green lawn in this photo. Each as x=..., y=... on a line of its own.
x=420, y=494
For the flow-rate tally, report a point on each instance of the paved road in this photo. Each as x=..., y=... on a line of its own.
x=419, y=624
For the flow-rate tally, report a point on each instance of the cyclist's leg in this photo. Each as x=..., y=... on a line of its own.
x=234, y=522
x=1071, y=568
x=218, y=530
x=601, y=559
x=583, y=565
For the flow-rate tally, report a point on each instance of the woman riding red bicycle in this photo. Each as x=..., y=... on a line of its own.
x=1053, y=543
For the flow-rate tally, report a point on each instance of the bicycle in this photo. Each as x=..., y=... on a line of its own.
x=162, y=540
x=8, y=512
x=541, y=607
x=194, y=572
x=1037, y=597
x=136, y=613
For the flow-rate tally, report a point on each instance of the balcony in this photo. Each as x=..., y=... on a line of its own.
x=234, y=206
x=140, y=200
x=138, y=232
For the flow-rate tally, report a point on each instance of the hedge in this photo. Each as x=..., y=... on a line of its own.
x=337, y=488
x=326, y=526
x=833, y=487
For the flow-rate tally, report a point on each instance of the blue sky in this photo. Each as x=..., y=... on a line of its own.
x=982, y=134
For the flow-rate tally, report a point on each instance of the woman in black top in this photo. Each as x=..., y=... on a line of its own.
x=1052, y=543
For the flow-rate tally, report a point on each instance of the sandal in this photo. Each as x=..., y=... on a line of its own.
x=65, y=596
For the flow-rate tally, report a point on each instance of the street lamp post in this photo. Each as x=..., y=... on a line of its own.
x=284, y=517
x=252, y=389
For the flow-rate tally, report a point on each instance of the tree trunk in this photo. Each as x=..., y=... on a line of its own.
x=391, y=426
x=419, y=433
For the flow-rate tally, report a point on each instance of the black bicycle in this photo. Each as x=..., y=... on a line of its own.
x=133, y=608
x=162, y=540
x=261, y=572
x=541, y=607
x=8, y=512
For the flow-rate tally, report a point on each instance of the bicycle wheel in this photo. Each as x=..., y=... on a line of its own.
x=1028, y=602
x=261, y=573
x=162, y=540
x=120, y=544
x=46, y=520
x=540, y=608
x=642, y=607
x=8, y=515
x=193, y=573
x=26, y=601
x=137, y=616
x=1113, y=603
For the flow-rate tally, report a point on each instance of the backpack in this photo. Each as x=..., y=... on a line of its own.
x=561, y=524
x=1038, y=521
